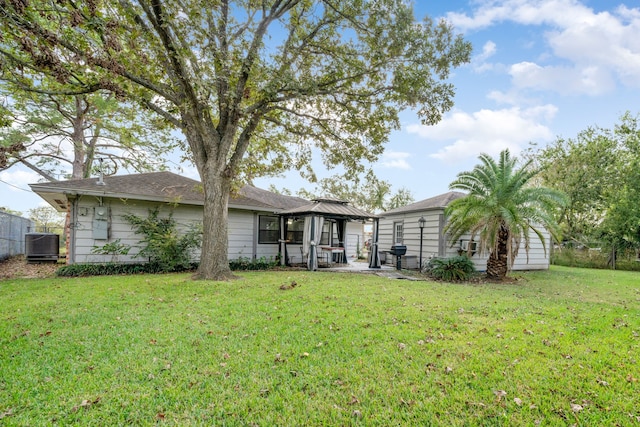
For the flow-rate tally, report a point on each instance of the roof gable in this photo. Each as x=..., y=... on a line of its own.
x=438, y=202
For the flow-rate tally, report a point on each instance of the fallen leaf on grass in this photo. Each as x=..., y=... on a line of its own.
x=357, y=414
x=479, y=404
x=401, y=346
x=603, y=383
x=631, y=379
x=576, y=408
x=499, y=394
x=407, y=402
x=518, y=401
x=448, y=370
x=354, y=400
x=86, y=404
x=528, y=332
x=6, y=413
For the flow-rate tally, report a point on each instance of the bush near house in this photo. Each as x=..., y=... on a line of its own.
x=451, y=269
x=84, y=270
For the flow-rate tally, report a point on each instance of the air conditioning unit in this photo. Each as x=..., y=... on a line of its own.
x=42, y=247
x=468, y=245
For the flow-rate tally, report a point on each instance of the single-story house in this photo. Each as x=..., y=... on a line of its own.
x=402, y=226
x=96, y=206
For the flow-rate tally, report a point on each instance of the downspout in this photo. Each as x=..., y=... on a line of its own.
x=71, y=231
x=254, y=247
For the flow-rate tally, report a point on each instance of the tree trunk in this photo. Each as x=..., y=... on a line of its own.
x=77, y=137
x=214, y=258
x=497, y=264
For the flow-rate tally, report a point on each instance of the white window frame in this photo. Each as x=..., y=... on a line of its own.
x=398, y=232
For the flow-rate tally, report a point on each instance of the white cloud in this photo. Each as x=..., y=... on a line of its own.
x=590, y=80
x=19, y=179
x=487, y=131
x=598, y=47
x=561, y=13
x=479, y=62
x=395, y=159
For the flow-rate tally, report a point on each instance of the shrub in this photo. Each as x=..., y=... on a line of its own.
x=109, y=269
x=248, y=264
x=114, y=249
x=162, y=244
x=451, y=269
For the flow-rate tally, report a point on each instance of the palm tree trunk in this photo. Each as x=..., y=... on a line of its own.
x=497, y=264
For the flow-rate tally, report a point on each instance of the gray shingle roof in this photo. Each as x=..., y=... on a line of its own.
x=162, y=186
x=330, y=207
x=438, y=202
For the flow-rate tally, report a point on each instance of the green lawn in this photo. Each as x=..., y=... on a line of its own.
x=555, y=348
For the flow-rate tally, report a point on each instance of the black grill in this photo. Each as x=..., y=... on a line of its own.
x=398, y=251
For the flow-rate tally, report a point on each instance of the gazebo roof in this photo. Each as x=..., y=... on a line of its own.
x=330, y=208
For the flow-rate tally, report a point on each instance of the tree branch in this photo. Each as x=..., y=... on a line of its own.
x=37, y=170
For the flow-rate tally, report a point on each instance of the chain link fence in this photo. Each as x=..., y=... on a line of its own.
x=12, y=231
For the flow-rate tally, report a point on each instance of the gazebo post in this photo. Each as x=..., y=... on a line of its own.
x=283, y=243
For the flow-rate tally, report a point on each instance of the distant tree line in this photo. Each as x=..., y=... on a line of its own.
x=599, y=171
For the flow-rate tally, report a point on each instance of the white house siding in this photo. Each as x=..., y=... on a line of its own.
x=434, y=245
x=241, y=234
x=431, y=241
x=242, y=229
x=537, y=260
x=118, y=227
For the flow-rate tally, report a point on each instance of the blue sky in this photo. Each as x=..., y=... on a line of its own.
x=541, y=69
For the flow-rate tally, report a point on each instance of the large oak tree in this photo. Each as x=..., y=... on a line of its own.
x=264, y=81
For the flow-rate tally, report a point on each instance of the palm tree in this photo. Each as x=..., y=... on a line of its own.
x=502, y=209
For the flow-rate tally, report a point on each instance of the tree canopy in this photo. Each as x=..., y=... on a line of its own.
x=365, y=191
x=502, y=209
x=253, y=86
x=599, y=170
x=64, y=136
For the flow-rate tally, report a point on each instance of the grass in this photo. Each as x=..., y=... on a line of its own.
x=555, y=348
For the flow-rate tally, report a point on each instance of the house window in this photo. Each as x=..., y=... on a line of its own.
x=295, y=231
x=398, y=232
x=268, y=229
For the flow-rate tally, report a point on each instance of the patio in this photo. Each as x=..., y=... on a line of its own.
x=324, y=235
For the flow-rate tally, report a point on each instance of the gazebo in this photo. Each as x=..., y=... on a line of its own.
x=315, y=215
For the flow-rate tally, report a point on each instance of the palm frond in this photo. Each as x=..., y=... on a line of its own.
x=499, y=195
